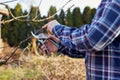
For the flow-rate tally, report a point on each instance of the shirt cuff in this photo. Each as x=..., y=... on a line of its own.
x=57, y=30
x=60, y=47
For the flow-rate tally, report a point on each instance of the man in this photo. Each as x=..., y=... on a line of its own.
x=100, y=40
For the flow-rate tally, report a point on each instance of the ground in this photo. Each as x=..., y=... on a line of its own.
x=43, y=68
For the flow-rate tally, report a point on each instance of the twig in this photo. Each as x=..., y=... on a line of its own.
x=19, y=18
x=37, y=10
x=7, y=1
x=12, y=54
x=13, y=17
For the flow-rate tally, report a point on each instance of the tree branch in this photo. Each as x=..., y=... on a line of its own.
x=3, y=3
x=19, y=18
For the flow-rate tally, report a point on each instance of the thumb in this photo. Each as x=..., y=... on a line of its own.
x=45, y=26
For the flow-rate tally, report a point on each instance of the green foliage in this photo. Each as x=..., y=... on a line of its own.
x=40, y=68
x=33, y=15
x=16, y=31
x=68, y=20
x=77, y=17
x=61, y=17
x=18, y=10
x=87, y=15
x=93, y=12
x=5, y=31
x=51, y=12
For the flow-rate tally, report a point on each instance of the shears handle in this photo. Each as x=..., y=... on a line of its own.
x=46, y=51
x=54, y=42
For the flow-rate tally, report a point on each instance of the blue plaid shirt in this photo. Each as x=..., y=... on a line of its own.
x=100, y=41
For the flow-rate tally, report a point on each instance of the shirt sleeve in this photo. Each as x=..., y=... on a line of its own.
x=71, y=52
x=96, y=36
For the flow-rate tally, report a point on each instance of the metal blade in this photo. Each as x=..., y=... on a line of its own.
x=36, y=36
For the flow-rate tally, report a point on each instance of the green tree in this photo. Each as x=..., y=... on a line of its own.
x=61, y=17
x=52, y=11
x=77, y=17
x=69, y=21
x=33, y=26
x=18, y=10
x=32, y=16
x=23, y=31
x=87, y=15
x=93, y=12
x=5, y=29
x=14, y=27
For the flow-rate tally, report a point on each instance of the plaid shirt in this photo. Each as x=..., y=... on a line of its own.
x=100, y=41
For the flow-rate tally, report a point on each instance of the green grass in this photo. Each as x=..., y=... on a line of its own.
x=41, y=68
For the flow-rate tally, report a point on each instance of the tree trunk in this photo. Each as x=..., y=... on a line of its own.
x=34, y=46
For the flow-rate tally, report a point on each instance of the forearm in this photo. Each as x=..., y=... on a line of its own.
x=96, y=36
x=73, y=38
x=71, y=53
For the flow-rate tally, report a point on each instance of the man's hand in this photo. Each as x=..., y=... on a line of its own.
x=49, y=26
x=51, y=47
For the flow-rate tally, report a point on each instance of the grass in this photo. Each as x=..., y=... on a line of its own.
x=42, y=68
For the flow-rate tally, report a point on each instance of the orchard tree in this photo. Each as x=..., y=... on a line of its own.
x=14, y=27
x=34, y=12
x=51, y=12
x=77, y=17
x=61, y=17
x=69, y=21
x=87, y=15
x=18, y=10
x=93, y=13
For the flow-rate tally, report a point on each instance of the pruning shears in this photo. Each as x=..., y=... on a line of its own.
x=42, y=39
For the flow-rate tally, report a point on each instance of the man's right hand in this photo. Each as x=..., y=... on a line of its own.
x=50, y=25
x=51, y=47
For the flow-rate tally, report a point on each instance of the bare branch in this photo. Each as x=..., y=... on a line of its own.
x=37, y=11
x=7, y=2
x=5, y=12
x=13, y=17
x=69, y=8
x=14, y=51
x=64, y=5
x=19, y=18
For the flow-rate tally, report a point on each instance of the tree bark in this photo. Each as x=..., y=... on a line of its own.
x=34, y=46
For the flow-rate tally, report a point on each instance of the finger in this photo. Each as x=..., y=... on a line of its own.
x=39, y=45
x=43, y=48
x=54, y=38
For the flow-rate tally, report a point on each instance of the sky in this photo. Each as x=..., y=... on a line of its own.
x=45, y=4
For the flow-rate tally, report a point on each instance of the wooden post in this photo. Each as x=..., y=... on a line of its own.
x=0, y=25
x=1, y=42
x=2, y=12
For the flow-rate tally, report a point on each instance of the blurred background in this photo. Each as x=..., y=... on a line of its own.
x=20, y=57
